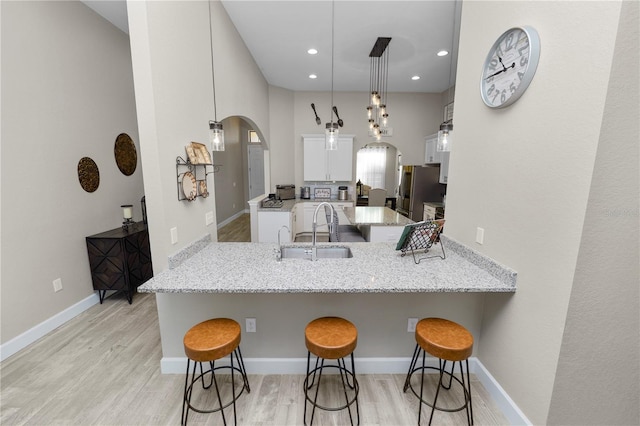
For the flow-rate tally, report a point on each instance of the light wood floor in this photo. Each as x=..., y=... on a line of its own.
x=102, y=368
x=237, y=231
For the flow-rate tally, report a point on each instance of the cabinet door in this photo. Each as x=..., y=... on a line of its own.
x=270, y=223
x=444, y=167
x=315, y=160
x=322, y=165
x=298, y=218
x=431, y=154
x=340, y=162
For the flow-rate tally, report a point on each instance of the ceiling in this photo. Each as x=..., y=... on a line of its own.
x=279, y=33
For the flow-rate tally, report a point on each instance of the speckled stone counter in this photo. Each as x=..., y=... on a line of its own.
x=374, y=268
x=375, y=216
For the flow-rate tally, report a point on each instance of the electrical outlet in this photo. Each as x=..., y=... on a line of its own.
x=250, y=325
x=57, y=285
x=480, y=235
x=411, y=325
x=209, y=218
x=174, y=235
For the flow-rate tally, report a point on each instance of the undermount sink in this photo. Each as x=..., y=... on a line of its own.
x=321, y=252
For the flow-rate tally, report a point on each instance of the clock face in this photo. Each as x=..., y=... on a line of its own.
x=509, y=67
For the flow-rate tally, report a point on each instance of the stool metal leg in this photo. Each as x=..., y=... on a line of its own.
x=435, y=400
x=215, y=382
x=243, y=370
x=414, y=359
x=315, y=398
x=421, y=387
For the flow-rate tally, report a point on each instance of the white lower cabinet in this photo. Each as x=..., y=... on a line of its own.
x=382, y=234
x=270, y=223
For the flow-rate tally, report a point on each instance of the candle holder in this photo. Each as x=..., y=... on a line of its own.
x=127, y=214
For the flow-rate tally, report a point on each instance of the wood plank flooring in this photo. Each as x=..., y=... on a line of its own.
x=237, y=231
x=103, y=368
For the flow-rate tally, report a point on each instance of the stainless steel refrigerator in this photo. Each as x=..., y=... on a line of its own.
x=419, y=184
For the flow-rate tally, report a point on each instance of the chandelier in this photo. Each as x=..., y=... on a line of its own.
x=378, y=73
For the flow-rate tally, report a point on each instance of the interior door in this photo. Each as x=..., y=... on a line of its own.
x=256, y=171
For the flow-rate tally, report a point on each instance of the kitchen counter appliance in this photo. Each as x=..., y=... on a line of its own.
x=343, y=193
x=285, y=192
x=305, y=192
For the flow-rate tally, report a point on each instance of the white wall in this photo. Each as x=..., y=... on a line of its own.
x=601, y=340
x=173, y=82
x=67, y=92
x=413, y=116
x=524, y=174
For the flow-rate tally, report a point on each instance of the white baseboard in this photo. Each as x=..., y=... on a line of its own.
x=28, y=337
x=509, y=408
x=368, y=366
x=231, y=219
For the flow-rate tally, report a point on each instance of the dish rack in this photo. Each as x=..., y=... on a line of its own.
x=198, y=186
x=421, y=236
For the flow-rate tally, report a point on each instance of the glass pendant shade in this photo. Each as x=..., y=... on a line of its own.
x=369, y=112
x=331, y=136
x=444, y=137
x=216, y=136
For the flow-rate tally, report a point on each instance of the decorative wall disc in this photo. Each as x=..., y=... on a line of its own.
x=126, y=155
x=88, y=174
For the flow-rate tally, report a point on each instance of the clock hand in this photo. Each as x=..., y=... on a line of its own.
x=503, y=67
x=513, y=65
x=494, y=74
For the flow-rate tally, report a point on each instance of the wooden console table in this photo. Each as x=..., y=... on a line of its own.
x=120, y=259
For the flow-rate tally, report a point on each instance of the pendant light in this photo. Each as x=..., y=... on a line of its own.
x=331, y=131
x=444, y=135
x=377, y=115
x=216, y=132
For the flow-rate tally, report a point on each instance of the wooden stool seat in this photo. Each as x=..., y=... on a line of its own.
x=211, y=340
x=331, y=337
x=444, y=339
x=208, y=342
x=449, y=342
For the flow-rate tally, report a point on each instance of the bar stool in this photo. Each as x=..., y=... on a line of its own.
x=210, y=341
x=448, y=341
x=331, y=338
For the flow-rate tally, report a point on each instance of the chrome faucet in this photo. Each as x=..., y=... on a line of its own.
x=314, y=251
x=279, y=252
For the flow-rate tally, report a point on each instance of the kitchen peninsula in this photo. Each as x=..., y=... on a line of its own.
x=245, y=280
x=377, y=224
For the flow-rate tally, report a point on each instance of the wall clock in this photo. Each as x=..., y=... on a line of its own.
x=510, y=66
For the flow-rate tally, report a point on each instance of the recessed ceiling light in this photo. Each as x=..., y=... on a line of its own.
x=443, y=53
x=415, y=77
x=312, y=76
x=312, y=51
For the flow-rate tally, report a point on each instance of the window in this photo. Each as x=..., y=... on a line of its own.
x=253, y=137
x=371, y=166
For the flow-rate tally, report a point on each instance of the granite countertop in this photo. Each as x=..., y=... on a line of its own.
x=374, y=268
x=288, y=205
x=375, y=216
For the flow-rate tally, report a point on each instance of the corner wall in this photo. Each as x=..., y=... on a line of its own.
x=67, y=92
x=523, y=173
x=601, y=343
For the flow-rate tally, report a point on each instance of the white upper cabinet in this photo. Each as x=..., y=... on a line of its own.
x=431, y=154
x=323, y=165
